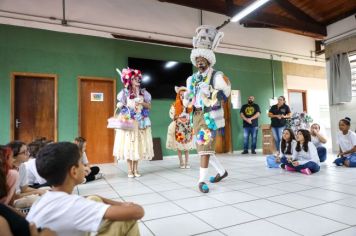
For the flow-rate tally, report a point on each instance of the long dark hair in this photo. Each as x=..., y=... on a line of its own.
x=307, y=139
x=5, y=154
x=284, y=143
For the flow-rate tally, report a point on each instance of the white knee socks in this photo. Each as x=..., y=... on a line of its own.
x=217, y=165
x=203, y=174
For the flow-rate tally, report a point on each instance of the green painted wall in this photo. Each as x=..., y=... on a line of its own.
x=71, y=55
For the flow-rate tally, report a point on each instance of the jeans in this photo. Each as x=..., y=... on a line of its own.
x=250, y=131
x=312, y=166
x=271, y=161
x=352, y=159
x=321, y=153
x=277, y=135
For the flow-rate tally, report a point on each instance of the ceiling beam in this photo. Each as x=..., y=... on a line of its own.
x=267, y=19
x=285, y=22
x=296, y=12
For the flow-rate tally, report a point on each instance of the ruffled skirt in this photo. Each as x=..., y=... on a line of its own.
x=133, y=144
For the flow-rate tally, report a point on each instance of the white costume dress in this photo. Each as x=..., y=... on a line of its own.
x=134, y=144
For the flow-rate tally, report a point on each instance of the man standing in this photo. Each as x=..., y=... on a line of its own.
x=206, y=90
x=249, y=113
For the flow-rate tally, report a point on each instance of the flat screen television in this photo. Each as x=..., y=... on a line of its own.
x=160, y=77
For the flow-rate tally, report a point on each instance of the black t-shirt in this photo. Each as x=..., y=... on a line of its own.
x=249, y=111
x=282, y=110
x=18, y=224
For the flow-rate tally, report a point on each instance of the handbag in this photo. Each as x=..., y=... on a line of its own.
x=122, y=120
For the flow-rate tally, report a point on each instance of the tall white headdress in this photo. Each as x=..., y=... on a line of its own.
x=205, y=42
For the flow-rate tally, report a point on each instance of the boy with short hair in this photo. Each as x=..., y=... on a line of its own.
x=61, y=165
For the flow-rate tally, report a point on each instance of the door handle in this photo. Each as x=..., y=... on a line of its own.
x=17, y=122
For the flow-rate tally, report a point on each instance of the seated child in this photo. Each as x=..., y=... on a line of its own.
x=61, y=165
x=305, y=158
x=25, y=195
x=14, y=224
x=92, y=171
x=318, y=139
x=8, y=176
x=286, y=148
x=34, y=179
x=347, y=143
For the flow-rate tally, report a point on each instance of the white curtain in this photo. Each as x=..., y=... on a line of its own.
x=339, y=79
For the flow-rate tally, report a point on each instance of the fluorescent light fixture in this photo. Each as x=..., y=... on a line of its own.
x=146, y=78
x=248, y=10
x=170, y=64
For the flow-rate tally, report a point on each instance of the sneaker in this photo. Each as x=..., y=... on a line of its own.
x=253, y=152
x=244, y=152
x=187, y=166
x=289, y=168
x=306, y=171
x=218, y=178
x=99, y=176
x=283, y=166
x=181, y=166
x=137, y=174
x=203, y=187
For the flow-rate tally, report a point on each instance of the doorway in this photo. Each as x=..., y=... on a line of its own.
x=297, y=100
x=33, y=106
x=96, y=97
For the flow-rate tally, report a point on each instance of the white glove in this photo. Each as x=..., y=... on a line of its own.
x=204, y=88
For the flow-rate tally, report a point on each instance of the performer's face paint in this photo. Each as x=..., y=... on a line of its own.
x=202, y=64
x=136, y=82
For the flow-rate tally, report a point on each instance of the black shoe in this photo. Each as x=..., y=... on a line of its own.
x=253, y=152
x=203, y=187
x=283, y=166
x=244, y=152
x=218, y=178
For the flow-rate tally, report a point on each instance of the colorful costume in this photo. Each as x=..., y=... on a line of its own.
x=205, y=92
x=180, y=131
x=135, y=144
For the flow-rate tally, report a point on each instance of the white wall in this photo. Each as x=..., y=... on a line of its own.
x=156, y=20
x=317, y=99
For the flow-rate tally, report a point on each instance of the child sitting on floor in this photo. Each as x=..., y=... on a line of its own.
x=286, y=148
x=305, y=157
x=92, y=172
x=347, y=143
x=61, y=165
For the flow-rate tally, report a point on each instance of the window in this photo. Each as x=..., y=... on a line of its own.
x=352, y=59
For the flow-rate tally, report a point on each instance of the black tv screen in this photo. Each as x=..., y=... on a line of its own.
x=160, y=77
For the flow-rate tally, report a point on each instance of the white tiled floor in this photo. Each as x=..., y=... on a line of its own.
x=253, y=200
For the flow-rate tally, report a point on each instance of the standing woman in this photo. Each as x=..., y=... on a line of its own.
x=347, y=143
x=179, y=135
x=279, y=114
x=134, y=144
x=305, y=157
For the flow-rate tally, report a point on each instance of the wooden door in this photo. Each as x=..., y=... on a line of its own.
x=34, y=107
x=96, y=105
x=223, y=137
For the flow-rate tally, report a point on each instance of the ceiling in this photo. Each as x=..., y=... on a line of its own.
x=303, y=17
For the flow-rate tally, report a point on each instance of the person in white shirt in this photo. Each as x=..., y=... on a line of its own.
x=34, y=179
x=92, y=172
x=347, y=143
x=305, y=157
x=286, y=148
x=66, y=214
x=21, y=155
x=318, y=139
